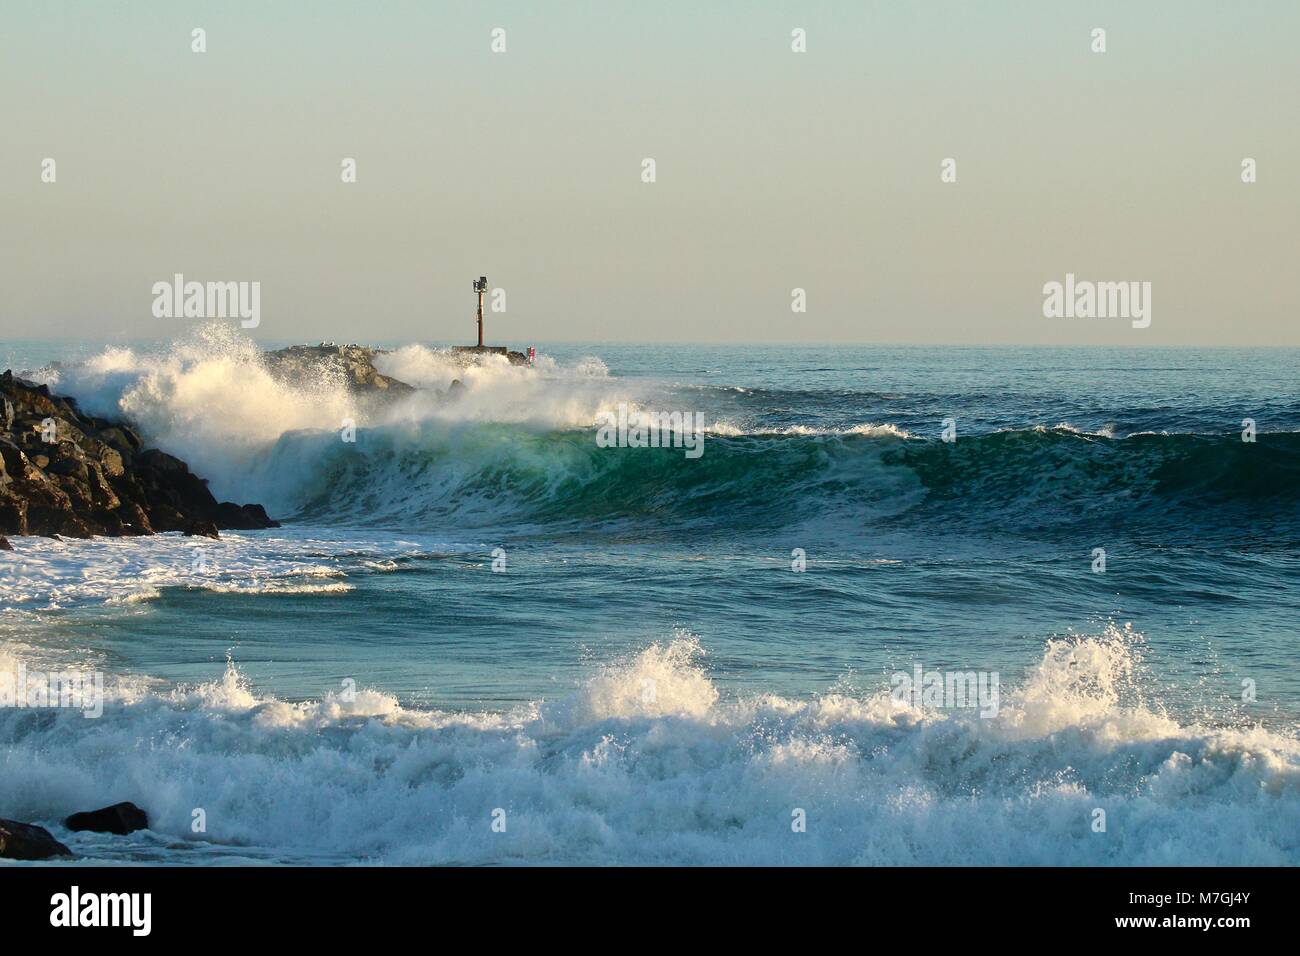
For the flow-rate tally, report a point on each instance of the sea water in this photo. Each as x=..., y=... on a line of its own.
x=479, y=637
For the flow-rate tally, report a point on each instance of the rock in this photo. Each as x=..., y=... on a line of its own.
x=120, y=818
x=101, y=489
x=475, y=354
x=134, y=520
x=4, y=544
x=202, y=529
x=124, y=441
x=110, y=523
x=243, y=517
x=307, y=365
x=96, y=476
x=113, y=463
x=24, y=841
x=163, y=517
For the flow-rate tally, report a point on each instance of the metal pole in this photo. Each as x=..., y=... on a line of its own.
x=480, y=318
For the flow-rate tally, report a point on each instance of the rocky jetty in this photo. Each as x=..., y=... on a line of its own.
x=467, y=355
x=305, y=365
x=63, y=472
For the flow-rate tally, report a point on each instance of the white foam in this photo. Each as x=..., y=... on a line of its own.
x=869, y=429
x=684, y=775
x=44, y=573
x=209, y=399
x=1105, y=431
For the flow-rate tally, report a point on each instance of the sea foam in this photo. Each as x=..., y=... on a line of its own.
x=609, y=773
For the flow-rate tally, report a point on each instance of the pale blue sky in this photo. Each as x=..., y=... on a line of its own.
x=775, y=170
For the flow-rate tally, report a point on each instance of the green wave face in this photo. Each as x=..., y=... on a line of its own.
x=432, y=476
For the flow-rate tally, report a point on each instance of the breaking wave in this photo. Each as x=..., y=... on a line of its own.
x=518, y=447
x=684, y=775
x=438, y=474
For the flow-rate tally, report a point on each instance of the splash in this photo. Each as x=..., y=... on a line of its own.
x=208, y=399
x=609, y=774
x=516, y=448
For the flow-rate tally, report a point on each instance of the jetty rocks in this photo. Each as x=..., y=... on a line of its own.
x=302, y=365
x=64, y=472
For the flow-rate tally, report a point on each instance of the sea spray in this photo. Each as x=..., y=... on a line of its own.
x=606, y=775
x=508, y=452
x=208, y=399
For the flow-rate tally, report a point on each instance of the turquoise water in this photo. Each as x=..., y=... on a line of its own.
x=635, y=568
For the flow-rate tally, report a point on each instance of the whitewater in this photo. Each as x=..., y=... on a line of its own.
x=648, y=679
x=605, y=776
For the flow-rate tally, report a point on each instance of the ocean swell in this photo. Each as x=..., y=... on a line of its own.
x=517, y=448
x=441, y=474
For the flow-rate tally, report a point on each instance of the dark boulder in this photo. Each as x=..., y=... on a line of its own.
x=66, y=473
x=243, y=517
x=25, y=841
x=202, y=528
x=4, y=544
x=120, y=818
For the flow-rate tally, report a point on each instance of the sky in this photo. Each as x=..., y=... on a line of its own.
x=775, y=170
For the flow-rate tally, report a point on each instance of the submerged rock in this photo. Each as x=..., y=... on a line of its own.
x=120, y=818
x=66, y=473
x=25, y=841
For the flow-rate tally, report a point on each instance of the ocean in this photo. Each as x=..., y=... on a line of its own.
x=480, y=637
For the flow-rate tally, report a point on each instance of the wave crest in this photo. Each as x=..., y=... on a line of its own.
x=605, y=775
